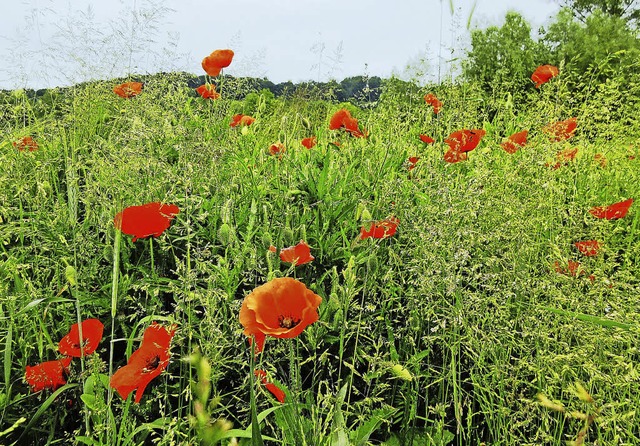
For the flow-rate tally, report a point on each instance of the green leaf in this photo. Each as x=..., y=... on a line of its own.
x=89, y=400
x=89, y=441
x=364, y=431
x=608, y=323
x=339, y=435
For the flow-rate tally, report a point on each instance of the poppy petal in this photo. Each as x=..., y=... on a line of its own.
x=91, y=334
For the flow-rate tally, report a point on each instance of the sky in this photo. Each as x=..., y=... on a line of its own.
x=46, y=43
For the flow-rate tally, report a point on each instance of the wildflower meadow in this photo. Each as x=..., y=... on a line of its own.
x=440, y=266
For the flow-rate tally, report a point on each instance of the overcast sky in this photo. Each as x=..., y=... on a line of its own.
x=46, y=43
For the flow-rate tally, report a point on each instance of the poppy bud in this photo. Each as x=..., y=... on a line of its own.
x=400, y=372
x=225, y=234
x=71, y=275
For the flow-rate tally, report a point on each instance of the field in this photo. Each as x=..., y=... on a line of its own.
x=466, y=321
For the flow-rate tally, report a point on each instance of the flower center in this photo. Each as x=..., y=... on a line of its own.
x=152, y=364
x=77, y=345
x=288, y=321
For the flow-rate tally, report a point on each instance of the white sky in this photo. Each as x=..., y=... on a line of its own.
x=59, y=42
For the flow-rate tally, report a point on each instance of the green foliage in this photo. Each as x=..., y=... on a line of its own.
x=602, y=47
x=501, y=59
x=629, y=10
x=441, y=334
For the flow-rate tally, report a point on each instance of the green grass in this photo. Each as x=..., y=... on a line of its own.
x=442, y=334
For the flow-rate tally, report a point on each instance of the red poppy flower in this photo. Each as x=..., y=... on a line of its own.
x=613, y=211
x=91, y=336
x=26, y=143
x=298, y=255
x=282, y=308
x=149, y=219
x=411, y=162
x=208, y=91
x=465, y=140
x=343, y=119
x=431, y=99
x=241, y=119
x=543, y=73
x=275, y=390
x=589, y=247
x=600, y=159
x=128, y=89
x=515, y=142
x=48, y=375
x=277, y=149
x=216, y=61
x=427, y=139
x=563, y=157
x=572, y=269
x=561, y=130
x=146, y=363
x=381, y=229
x=309, y=142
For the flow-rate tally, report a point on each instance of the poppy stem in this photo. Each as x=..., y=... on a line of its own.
x=294, y=377
x=81, y=339
x=153, y=266
x=256, y=437
x=114, y=306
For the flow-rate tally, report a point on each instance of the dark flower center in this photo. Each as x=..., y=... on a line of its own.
x=83, y=346
x=152, y=364
x=288, y=321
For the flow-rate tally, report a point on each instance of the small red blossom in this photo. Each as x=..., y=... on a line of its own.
x=150, y=219
x=543, y=74
x=128, y=89
x=432, y=100
x=48, y=375
x=342, y=119
x=589, y=247
x=71, y=345
x=242, y=120
x=381, y=229
x=561, y=130
x=411, y=162
x=297, y=255
x=427, y=139
x=563, y=158
x=572, y=269
x=613, y=211
x=216, y=61
x=146, y=363
x=26, y=143
x=465, y=140
x=208, y=91
x=600, y=159
x=309, y=142
x=515, y=142
x=275, y=390
x=277, y=149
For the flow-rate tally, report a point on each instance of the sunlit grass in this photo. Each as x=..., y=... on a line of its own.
x=443, y=333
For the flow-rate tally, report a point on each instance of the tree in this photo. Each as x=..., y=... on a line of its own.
x=603, y=42
x=502, y=58
x=628, y=10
